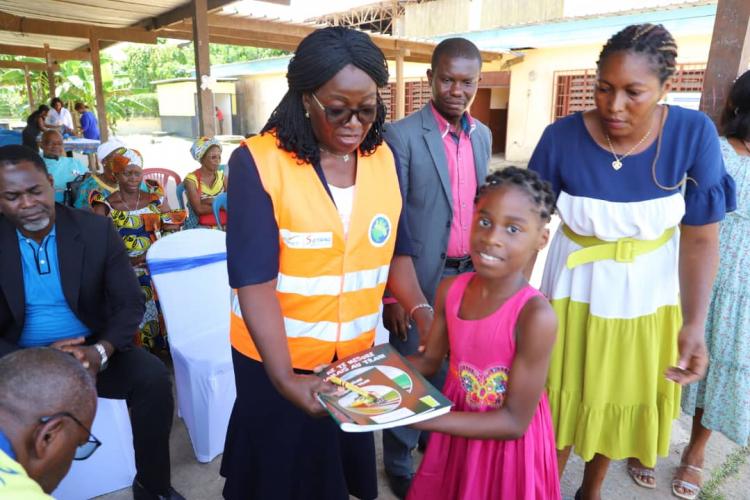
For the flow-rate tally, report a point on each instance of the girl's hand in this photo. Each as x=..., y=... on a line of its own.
x=693, y=356
x=301, y=391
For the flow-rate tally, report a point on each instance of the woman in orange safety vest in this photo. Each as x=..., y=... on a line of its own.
x=315, y=234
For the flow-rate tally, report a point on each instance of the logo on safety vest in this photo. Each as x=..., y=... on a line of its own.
x=380, y=230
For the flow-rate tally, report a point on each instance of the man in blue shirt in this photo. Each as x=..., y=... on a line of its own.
x=89, y=123
x=47, y=405
x=63, y=169
x=66, y=282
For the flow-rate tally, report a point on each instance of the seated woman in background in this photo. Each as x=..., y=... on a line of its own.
x=34, y=126
x=139, y=216
x=104, y=183
x=204, y=184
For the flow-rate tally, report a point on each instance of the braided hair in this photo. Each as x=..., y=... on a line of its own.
x=735, y=119
x=651, y=40
x=539, y=191
x=319, y=57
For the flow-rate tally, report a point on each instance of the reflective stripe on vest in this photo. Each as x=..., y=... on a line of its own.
x=331, y=285
x=329, y=288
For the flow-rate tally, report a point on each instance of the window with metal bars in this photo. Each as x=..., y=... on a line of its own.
x=574, y=90
x=418, y=93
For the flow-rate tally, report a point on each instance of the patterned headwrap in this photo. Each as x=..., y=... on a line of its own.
x=109, y=147
x=203, y=144
x=124, y=158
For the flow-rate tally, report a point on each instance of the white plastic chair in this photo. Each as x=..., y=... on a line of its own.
x=195, y=304
x=112, y=466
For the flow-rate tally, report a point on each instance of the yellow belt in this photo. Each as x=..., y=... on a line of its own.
x=622, y=250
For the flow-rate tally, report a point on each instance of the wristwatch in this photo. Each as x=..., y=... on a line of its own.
x=103, y=353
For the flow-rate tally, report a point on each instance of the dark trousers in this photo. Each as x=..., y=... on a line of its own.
x=399, y=442
x=141, y=379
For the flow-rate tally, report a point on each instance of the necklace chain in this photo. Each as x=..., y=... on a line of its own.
x=617, y=163
x=344, y=157
x=137, y=202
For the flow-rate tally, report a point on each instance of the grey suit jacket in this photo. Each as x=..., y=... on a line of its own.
x=425, y=182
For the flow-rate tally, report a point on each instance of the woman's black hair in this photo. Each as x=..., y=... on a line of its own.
x=539, y=191
x=31, y=120
x=735, y=119
x=319, y=56
x=651, y=40
x=54, y=101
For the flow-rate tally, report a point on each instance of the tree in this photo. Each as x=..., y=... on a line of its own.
x=163, y=61
x=76, y=83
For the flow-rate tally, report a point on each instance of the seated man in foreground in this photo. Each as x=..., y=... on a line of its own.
x=47, y=405
x=66, y=282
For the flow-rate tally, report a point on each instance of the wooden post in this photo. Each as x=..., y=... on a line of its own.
x=50, y=71
x=729, y=54
x=28, y=88
x=101, y=109
x=400, y=87
x=203, y=68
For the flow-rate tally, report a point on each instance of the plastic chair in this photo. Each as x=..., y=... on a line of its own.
x=112, y=466
x=180, y=191
x=195, y=302
x=162, y=176
x=220, y=202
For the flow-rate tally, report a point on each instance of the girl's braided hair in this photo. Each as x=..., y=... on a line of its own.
x=651, y=40
x=539, y=191
x=319, y=56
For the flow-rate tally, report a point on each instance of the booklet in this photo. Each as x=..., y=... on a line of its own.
x=380, y=390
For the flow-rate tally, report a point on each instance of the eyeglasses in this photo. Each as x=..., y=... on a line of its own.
x=341, y=116
x=85, y=450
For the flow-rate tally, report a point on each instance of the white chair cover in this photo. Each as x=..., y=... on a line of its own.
x=195, y=304
x=112, y=466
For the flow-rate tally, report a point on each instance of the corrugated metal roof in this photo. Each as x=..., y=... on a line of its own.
x=99, y=13
x=256, y=67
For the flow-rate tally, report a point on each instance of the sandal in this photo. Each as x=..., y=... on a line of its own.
x=692, y=490
x=637, y=472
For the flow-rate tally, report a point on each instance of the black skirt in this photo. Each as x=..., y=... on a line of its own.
x=274, y=450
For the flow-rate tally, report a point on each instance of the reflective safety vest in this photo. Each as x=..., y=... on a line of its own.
x=329, y=288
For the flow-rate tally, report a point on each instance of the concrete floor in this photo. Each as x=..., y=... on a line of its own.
x=202, y=481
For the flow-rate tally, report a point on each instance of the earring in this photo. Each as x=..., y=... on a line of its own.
x=307, y=114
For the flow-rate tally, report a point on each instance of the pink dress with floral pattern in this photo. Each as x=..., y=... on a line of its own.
x=481, y=357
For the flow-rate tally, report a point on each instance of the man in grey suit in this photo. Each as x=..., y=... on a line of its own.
x=443, y=154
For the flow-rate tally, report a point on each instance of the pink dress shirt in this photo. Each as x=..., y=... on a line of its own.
x=463, y=179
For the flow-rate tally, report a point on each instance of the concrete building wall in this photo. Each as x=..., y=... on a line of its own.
x=458, y=16
x=508, y=12
x=532, y=87
x=259, y=95
x=178, y=98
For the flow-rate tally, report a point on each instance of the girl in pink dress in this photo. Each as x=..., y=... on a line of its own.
x=497, y=443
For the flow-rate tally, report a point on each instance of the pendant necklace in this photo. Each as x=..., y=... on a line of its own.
x=137, y=202
x=617, y=163
x=344, y=157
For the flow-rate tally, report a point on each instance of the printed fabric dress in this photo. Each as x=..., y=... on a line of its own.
x=138, y=230
x=205, y=192
x=458, y=468
x=612, y=277
x=724, y=394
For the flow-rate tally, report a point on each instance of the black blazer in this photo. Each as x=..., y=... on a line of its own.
x=97, y=280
